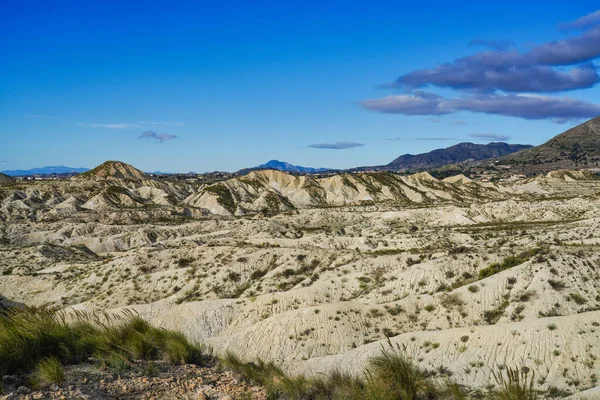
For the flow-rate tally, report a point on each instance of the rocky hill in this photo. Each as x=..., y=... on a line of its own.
x=451, y=155
x=6, y=180
x=274, y=191
x=111, y=170
x=576, y=148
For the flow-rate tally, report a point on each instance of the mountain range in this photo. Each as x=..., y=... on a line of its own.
x=576, y=148
x=434, y=159
x=49, y=170
x=452, y=155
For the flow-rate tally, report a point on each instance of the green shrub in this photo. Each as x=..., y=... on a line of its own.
x=177, y=350
x=556, y=285
x=492, y=316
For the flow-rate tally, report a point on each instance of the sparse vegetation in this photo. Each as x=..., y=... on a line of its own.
x=224, y=196
x=509, y=262
x=556, y=285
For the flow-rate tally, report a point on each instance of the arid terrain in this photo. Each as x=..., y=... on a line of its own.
x=316, y=274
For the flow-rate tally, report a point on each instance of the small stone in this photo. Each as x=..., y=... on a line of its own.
x=54, y=387
x=23, y=390
x=202, y=396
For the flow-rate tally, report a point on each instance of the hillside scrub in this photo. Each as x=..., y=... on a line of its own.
x=34, y=338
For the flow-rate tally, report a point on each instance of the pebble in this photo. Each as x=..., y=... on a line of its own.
x=23, y=390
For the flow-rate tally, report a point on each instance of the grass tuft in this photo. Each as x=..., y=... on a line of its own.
x=515, y=384
x=392, y=375
x=48, y=371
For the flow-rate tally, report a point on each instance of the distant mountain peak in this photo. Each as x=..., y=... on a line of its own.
x=284, y=166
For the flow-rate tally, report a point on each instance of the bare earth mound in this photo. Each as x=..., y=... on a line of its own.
x=113, y=170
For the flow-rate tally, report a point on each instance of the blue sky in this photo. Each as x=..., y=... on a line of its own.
x=222, y=85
